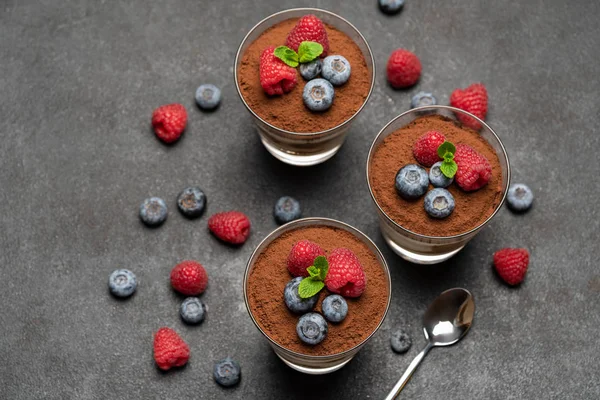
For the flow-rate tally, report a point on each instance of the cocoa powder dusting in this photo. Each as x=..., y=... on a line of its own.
x=472, y=208
x=269, y=276
x=288, y=111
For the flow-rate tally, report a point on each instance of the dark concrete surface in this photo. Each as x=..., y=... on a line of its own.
x=79, y=80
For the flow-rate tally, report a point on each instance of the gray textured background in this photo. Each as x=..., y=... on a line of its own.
x=79, y=81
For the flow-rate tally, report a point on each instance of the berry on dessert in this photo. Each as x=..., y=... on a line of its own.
x=511, y=265
x=422, y=99
x=473, y=99
x=346, y=275
x=400, y=341
x=302, y=256
x=208, y=96
x=192, y=310
x=122, y=283
x=294, y=302
x=189, y=278
x=169, y=122
x=519, y=197
x=474, y=170
x=287, y=209
x=336, y=69
x=276, y=77
x=153, y=211
x=227, y=372
x=437, y=178
x=403, y=69
x=391, y=6
x=335, y=308
x=411, y=181
x=308, y=29
x=311, y=328
x=425, y=148
x=191, y=202
x=439, y=203
x=169, y=349
x=318, y=94
x=231, y=226
x=312, y=69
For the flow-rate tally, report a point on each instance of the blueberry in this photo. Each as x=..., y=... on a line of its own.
x=318, y=95
x=287, y=209
x=227, y=372
x=436, y=177
x=294, y=302
x=439, y=203
x=423, y=99
x=311, y=70
x=122, y=283
x=191, y=202
x=412, y=181
x=391, y=6
x=208, y=96
x=153, y=211
x=192, y=310
x=519, y=197
x=400, y=341
x=336, y=69
x=334, y=308
x=311, y=328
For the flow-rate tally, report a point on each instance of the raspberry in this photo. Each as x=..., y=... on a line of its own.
x=308, y=29
x=473, y=99
x=189, y=278
x=425, y=148
x=511, y=265
x=302, y=256
x=231, y=226
x=169, y=349
x=169, y=122
x=276, y=77
x=346, y=275
x=474, y=170
x=403, y=69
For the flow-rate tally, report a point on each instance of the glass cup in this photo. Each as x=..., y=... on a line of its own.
x=423, y=249
x=309, y=364
x=297, y=148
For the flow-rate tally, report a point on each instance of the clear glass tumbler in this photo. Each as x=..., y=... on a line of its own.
x=298, y=148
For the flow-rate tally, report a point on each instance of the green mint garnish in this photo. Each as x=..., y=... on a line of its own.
x=308, y=51
x=308, y=288
x=287, y=55
x=448, y=167
x=313, y=284
x=444, y=148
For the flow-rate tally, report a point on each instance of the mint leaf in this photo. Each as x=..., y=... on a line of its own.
x=444, y=148
x=309, y=287
x=308, y=51
x=287, y=55
x=323, y=266
x=449, y=168
x=313, y=271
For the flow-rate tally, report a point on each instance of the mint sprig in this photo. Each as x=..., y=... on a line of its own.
x=449, y=166
x=312, y=284
x=287, y=55
x=307, y=51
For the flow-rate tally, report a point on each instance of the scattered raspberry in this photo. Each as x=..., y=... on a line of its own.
x=308, y=29
x=231, y=226
x=473, y=99
x=189, y=278
x=169, y=122
x=425, y=148
x=169, y=349
x=346, y=275
x=474, y=170
x=403, y=69
x=302, y=256
x=511, y=265
x=276, y=77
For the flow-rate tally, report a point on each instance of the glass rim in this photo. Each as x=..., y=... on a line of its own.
x=238, y=55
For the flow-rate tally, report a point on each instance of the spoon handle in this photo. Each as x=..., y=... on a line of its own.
x=408, y=373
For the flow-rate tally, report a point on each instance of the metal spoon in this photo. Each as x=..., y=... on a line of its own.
x=445, y=322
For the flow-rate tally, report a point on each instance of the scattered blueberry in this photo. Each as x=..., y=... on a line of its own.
x=400, y=341
x=439, y=203
x=336, y=69
x=227, y=372
x=293, y=301
x=311, y=70
x=153, y=211
x=412, y=181
x=287, y=209
x=437, y=178
x=318, y=95
x=423, y=99
x=519, y=197
x=191, y=202
x=208, y=96
x=192, y=310
x=391, y=6
x=334, y=308
x=122, y=283
x=311, y=328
